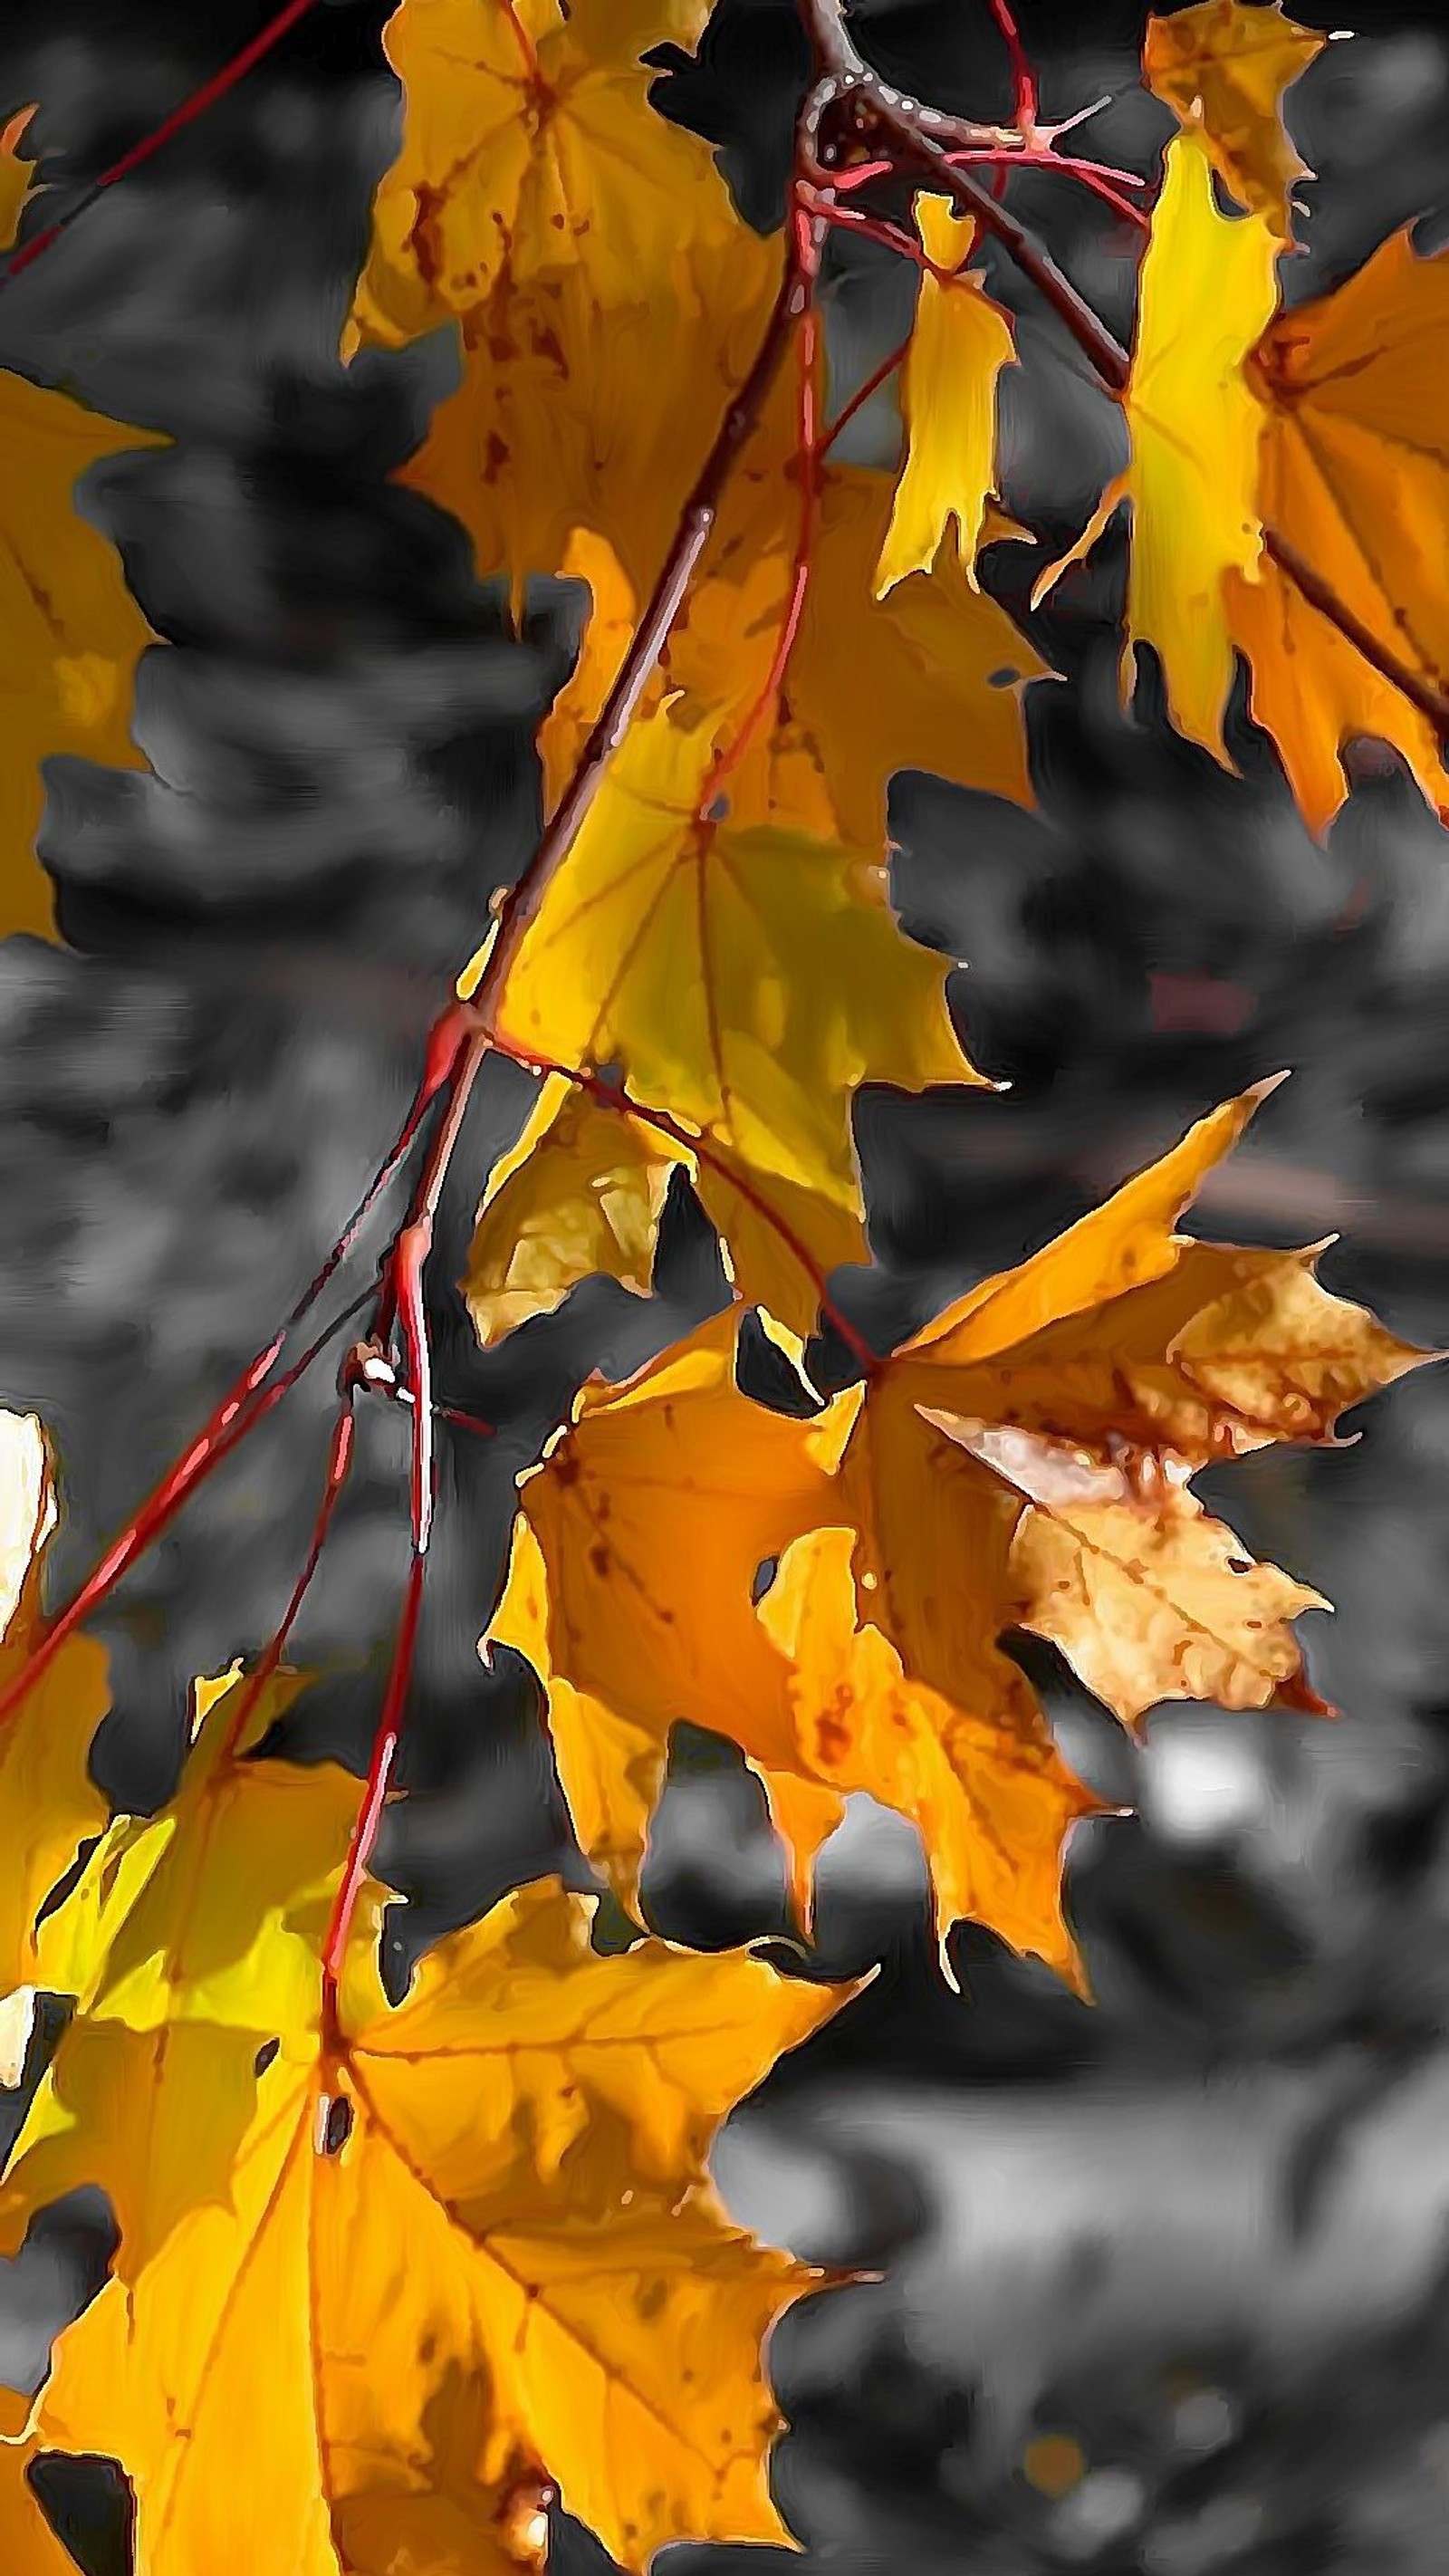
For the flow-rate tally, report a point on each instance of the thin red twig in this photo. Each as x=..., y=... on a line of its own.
x=249, y=1396
x=1023, y=78
x=408, y=1262
x=232, y=1422
x=379, y=1781
x=339, y=1460
x=137, y=154
x=878, y=376
x=877, y=228
x=1002, y=158
x=516, y=911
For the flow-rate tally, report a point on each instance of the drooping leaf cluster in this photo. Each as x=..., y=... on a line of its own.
x=467, y=2243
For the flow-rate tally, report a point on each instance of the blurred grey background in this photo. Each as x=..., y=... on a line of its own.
x=1159, y=2280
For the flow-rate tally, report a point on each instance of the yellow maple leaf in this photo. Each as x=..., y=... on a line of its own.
x=669, y=946
x=1225, y=65
x=1150, y=1597
x=959, y=344
x=929, y=678
x=472, y=2236
x=1208, y=287
x=529, y=149
x=1090, y=1382
x=1355, y=474
x=594, y=1601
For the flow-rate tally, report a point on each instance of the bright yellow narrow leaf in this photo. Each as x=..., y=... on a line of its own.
x=1225, y=65
x=959, y=345
x=670, y=947
x=49, y=1804
x=1355, y=474
x=1207, y=290
x=993, y=1803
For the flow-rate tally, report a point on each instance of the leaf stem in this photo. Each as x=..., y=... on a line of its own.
x=878, y=376
x=137, y=154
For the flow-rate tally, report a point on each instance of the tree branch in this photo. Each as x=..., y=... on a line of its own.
x=876, y=113
x=921, y=138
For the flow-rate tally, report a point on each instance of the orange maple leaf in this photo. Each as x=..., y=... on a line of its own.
x=1023, y=1460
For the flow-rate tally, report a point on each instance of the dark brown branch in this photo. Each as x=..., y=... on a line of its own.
x=520, y=906
x=854, y=97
